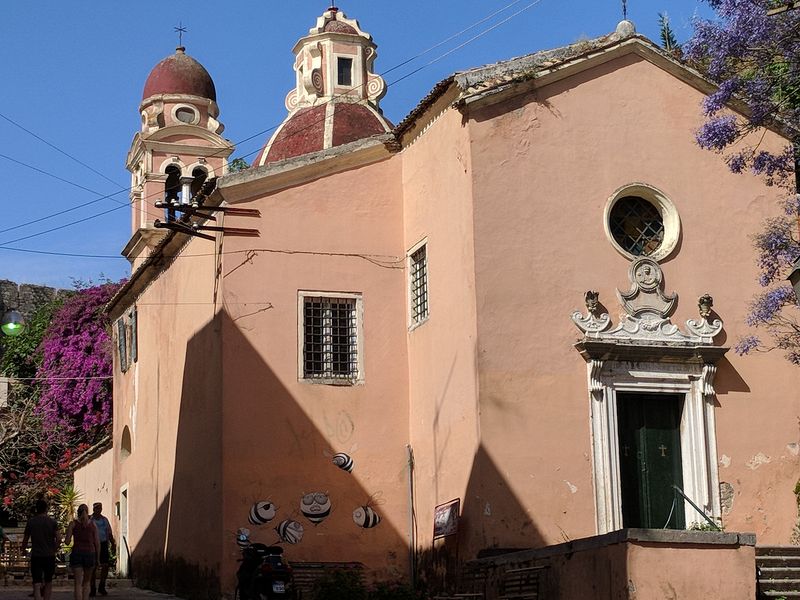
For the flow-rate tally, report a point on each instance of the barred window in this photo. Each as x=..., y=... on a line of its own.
x=418, y=273
x=637, y=225
x=330, y=338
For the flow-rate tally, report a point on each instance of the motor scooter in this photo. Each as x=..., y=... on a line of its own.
x=264, y=575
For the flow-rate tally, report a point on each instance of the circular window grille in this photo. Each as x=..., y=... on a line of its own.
x=637, y=225
x=187, y=115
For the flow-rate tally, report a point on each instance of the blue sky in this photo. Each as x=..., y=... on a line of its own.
x=72, y=73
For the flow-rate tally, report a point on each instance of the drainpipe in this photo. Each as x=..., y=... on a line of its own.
x=412, y=529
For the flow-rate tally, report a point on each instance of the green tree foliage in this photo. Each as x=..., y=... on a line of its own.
x=668, y=40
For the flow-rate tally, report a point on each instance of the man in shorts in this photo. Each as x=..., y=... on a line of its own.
x=42, y=531
x=106, y=541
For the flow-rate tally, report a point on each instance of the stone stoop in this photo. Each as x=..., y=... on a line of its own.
x=778, y=571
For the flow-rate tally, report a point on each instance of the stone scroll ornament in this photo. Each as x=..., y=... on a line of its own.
x=647, y=310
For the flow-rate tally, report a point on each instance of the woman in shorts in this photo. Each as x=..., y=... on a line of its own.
x=85, y=551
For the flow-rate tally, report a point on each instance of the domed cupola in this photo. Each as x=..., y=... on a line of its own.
x=336, y=97
x=179, y=74
x=179, y=90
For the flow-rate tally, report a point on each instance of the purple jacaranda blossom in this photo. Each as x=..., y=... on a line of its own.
x=754, y=58
x=747, y=344
x=718, y=133
x=766, y=306
x=776, y=247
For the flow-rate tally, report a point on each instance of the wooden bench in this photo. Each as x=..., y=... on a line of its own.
x=521, y=584
x=305, y=574
x=14, y=562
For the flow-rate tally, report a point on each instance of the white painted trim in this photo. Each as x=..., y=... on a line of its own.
x=697, y=433
x=202, y=165
x=358, y=297
x=669, y=215
x=172, y=161
x=195, y=113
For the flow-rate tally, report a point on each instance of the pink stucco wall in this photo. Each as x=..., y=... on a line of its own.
x=339, y=234
x=443, y=393
x=94, y=482
x=170, y=401
x=544, y=165
x=488, y=393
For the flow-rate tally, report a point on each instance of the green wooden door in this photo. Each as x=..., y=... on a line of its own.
x=650, y=460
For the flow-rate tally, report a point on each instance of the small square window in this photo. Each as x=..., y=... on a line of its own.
x=344, y=71
x=418, y=277
x=330, y=339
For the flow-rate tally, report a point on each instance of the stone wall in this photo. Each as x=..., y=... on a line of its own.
x=26, y=297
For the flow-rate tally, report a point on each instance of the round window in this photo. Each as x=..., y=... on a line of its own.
x=641, y=221
x=185, y=114
x=636, y=225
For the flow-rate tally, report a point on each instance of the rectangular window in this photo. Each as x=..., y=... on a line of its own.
x=418, y=274
x=331, y=331
x=344, y=68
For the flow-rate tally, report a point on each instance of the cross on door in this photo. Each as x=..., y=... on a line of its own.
x=663, y=449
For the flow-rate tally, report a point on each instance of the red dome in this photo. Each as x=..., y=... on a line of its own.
x=339, y=27
x=304, y=132
x=179, y=74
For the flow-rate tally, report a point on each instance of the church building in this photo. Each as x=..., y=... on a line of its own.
x=493, y=338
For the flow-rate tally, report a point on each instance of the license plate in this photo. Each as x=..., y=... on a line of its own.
x=278, y=587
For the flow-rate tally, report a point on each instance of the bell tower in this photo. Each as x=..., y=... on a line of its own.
x=177, y=149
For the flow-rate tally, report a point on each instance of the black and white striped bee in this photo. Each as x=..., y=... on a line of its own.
x=344, y=461
x=315, y=507
x=366, y=517
x=243, y=537
x=261, y=512
x=290, y=531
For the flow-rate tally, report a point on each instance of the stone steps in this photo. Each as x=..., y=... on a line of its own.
x=778, y=570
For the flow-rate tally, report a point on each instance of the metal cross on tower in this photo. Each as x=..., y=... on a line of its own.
x=624, y=10
x=180, y=30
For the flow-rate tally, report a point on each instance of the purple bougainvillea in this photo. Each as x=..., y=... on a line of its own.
x=76, y=367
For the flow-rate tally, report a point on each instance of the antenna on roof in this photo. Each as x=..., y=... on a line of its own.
x=624, y=10
x=180, y=30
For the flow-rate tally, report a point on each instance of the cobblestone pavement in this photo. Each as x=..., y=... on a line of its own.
x=121, y=590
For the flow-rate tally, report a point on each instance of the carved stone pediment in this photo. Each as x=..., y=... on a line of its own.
x=647, y=310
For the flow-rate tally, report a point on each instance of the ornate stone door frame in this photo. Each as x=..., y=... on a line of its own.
x=646, y=353
x=697, y=432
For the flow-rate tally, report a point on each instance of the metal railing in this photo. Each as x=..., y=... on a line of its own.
x=680, y=492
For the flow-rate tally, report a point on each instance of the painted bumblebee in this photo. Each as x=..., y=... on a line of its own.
x=315, y=507
x=366, y=517
x=261, y=512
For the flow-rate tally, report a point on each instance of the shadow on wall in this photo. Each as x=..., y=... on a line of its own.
x=242, y=438
x=493, y=522
x=178, y=551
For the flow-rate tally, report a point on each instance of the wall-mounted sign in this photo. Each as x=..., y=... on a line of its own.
x=445, y=518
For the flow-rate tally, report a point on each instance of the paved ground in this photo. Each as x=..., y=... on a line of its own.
x=63, y=591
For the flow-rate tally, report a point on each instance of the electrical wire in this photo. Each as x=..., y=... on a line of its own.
x=296, y=132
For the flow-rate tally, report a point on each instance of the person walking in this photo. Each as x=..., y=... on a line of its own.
x=106, y=542
x=85, y=552
x=42, y=531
